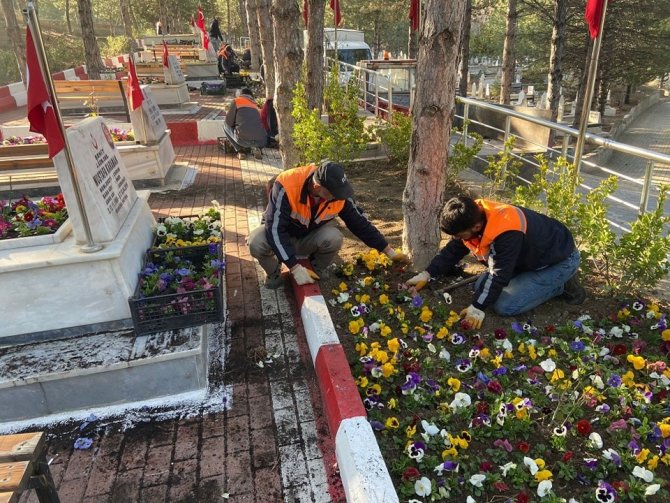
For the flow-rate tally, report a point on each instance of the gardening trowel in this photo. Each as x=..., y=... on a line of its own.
x=444, y=292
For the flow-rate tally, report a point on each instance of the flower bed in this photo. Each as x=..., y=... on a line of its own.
x=577, y=412
x=25, y=217
x=25, y=140
x=181, y=281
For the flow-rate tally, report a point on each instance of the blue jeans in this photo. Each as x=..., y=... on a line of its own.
x=240, y=145
x=530, y=289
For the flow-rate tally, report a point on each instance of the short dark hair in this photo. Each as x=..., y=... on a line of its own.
x=247, y=91
x=460, y=214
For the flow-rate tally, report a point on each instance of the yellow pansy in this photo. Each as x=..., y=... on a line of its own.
x=543, y=475
x=384, y=299
x=665, y=429
x=540, y=463
x=552, y=353
x=642, y=455
x=666, y=334
x=362, y=382
x=343, y=287
x=509, y=355
x=388, y=370
x=450, y=453
x=623, y=313
x=367, y=281
x=404, y=328
x=392, y=403
x=365, y=298
x=653, y=462
x=385, y=330
x=485, y=354
x=453, y=318
x=347, y=305
x=392, y=423
x=637, y=361
x=442, y=333
x=380, y=356
x=497, y=361
x=557, y=375
x=361, y=348
x=410, y=431
x=426, y=314
x=628, y=379
x=522, y=348
x=666, y=458
x=393, y=345
x=531, y=352
x=454, y=383
x=354, y=327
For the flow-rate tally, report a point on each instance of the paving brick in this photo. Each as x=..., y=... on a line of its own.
x=102, y=476
x=212, y=456
x=183, y=480
x=164, y=434
x=238, y=473
x=186, y=445
x=260, y=412
x=213, y=426
x=79, y=464
x=72, y=490
x=155, y=494
x=263, y=448
x=212, y=489
x=157, y=469
x=238, y=433
x=127, y=486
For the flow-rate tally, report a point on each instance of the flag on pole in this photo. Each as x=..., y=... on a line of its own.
x=166, y=63
x=135, y=96
x=200, y=23
x=335, y=5
x=305, y=11
x=414, y=14
x=41, y=113
x=593, y=15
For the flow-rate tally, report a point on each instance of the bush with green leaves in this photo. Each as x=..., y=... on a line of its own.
x=114, y=46
x=342, y=137
x=9, y=70
x=633, y=262
x=503, y=168
x=462, y=155
x=395, y=135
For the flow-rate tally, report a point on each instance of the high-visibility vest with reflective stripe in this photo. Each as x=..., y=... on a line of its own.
x=500, y=218
x=244, y=102
x=293, y=181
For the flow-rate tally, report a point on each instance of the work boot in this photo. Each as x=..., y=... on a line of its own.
x=258, y=153
x=573, y=291
x=273, y=281
x=241, y=156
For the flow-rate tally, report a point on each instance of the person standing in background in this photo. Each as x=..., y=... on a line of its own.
x=159, y=27
x=215, y=34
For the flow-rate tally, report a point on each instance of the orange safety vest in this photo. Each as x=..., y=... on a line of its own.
x=244, y=102
x=293, y=181
x=500, y=218
x=223, y=52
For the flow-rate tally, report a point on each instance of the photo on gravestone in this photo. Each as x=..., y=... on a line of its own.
x=107, y=192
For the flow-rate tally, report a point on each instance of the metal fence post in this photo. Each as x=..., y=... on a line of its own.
x=390, y=93
x=508, y=125
x=644, y=198
x=466, y=115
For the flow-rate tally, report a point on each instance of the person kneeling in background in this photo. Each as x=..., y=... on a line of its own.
x=243, y=126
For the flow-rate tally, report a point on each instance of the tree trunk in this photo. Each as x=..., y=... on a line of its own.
x=14, y=34
x=67, y=17
x=125, y=15
x=288, y=59
x=465, y=50
x=412, y=43
x=556, y=57
x=508, y=53
x=314, y=56
x=432, y=114
x=267, y=44
x=91, y=49
x=242, y=12
x=254, y=36
x=582, y=83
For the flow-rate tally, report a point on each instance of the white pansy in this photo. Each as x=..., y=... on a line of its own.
x=470, y=499
x=573, y=500
x=652, y=489
x=575, y=374
x=423, y=487
x=588, y=331
x=548, y=365
x=161, y=230
x=507, y=467
x=531, y=464
x=584, y=317
x=445, y=355
x=460, y=401
x=374, y=327
x=431, y=347
x=544, y=488
x=626, y=328
x=429, y=428
x=616, y=332
x=477, y=479
x=507, y=345
x=597, y=382
x=595, y=440
x=643, y=473
x=342, y=297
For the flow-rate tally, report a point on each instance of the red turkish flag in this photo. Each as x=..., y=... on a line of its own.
x=41, y=113
x=414, y=14
x=135, y=96
x=593, y=15
x=200, y=23
x=335, y=5
x=305, y=11
x=166, y=63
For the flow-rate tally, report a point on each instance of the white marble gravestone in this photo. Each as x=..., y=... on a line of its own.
x=543, y=101
x=521, y=99
x=148, y=121
x=106, y=189
x=561, y=108
x=474, y=89
x=173, y=74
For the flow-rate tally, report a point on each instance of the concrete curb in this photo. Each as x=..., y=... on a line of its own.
x=364, y=474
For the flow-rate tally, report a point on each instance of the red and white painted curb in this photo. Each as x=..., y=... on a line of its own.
x=365, y=477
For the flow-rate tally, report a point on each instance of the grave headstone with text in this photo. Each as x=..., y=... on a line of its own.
x=107, y=192
x=488, y=91
x=543, y=101
x=148, y=121
x=474, y=89
x=173, y=74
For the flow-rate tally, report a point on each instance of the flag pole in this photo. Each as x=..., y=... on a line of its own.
x=588, y=96
x=34, y=26
x=337, y=59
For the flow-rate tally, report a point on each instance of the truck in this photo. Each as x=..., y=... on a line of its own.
x=351, y=46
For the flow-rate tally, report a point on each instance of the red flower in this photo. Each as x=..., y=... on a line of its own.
x=568, y=456
x=583, y=427
x=482, y=407
x=486, y=466
x=500, y=334
x=522, y=498
x=501, y=486
x=411, y=474
x=550, y=329
x=413, y=366
x=621, y=486
x=494, y=387
x=523, y=447
x=619, y=349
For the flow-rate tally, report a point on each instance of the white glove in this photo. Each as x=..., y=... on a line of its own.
x=396, y=256
x=474, y=316
x=303, y=276
x=420, y=280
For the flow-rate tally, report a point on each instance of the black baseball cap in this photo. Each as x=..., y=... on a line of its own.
x=331, y=176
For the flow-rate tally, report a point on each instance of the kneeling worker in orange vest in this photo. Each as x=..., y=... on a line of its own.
x=299, y=220
x=531, y=257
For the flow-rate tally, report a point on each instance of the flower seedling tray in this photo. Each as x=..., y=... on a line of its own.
x=177, y=310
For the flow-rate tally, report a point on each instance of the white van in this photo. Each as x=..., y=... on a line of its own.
x=351, y=47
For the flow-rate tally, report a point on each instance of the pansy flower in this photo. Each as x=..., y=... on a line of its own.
x=605, y=493
x=416, y=450
x=463, y=365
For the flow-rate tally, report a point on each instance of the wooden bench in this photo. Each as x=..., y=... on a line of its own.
x=22, y=165
x=104, y=97
x=23, y=466
x=153, y=70
x=181, y=51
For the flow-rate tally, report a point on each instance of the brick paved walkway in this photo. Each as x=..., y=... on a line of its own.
x=271, y=444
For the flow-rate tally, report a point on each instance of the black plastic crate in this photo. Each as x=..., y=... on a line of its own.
x=177, y=310
x=211, y=89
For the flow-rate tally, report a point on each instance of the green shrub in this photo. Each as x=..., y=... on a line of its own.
x=461, y=155
x=114, y=46
x=64, y=52
x=395, y=136
x=9, y=70
x=503, y=168
x=339, y=139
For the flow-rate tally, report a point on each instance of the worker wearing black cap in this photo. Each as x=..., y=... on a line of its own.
x=299, y=220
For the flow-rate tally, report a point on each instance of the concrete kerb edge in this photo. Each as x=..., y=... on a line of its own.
x=364, y=474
